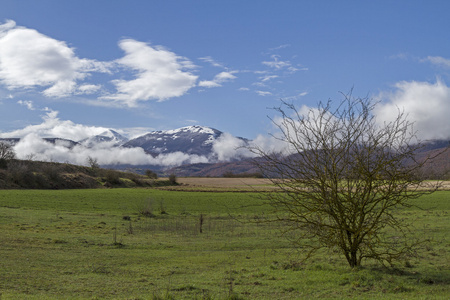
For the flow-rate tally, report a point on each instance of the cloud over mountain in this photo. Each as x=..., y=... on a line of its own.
x=52, y=126
x=65, y=141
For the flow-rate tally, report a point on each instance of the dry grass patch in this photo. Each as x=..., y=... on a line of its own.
x=224, y=184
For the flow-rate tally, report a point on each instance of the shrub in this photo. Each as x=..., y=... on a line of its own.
x=173, y=179
x=146, y=210
x=150, y=174
x=112, y=177
x=3, y=163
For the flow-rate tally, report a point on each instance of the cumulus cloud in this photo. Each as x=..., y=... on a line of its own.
x=52, y=126
x=29, y=59
x=426, y=104
x=218, y=80
x=160, y=74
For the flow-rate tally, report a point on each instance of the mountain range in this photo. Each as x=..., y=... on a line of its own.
x=194, y=151
x=169, y=148
x=196, y=140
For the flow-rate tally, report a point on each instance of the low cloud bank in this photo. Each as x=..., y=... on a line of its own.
x=225, y=148
x=34, y=147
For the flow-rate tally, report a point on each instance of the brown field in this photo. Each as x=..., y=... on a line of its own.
x=222, y=184
x=237, y=184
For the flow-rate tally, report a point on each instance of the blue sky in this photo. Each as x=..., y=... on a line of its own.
x=155, y=65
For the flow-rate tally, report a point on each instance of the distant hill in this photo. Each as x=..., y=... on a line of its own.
x=436, y=168
x=25, y=174
x=215, y=169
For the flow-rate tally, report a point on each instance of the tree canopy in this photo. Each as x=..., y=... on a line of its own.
x=343, y=177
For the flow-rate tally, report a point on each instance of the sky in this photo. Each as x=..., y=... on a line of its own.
x=77, y=68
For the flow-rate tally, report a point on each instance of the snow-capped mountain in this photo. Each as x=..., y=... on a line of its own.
x=190, y=140
x=113, y=138
x=197, y=140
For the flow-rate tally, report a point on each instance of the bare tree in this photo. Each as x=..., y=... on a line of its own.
x=6, y=153
x=93, y=162
x=343, y=178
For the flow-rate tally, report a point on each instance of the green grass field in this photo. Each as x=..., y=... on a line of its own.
x=95, y=244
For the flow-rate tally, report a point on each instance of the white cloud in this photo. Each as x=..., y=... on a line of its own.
x=52, y=126
x=276, y=63
x=218, y=80
x=295, y=97
x=88, y=88
x=264, y=93
x=28, y=104
x=34, y=146
x=270, y=144
x=159, y=75
x=209, y=83
x=29, y=59
x=268, y=77
x=402, y=56
x=279, y=47
x=211, y=61
x=439, y=61
x=260, y=84
x=427, y=105
x=228, y=147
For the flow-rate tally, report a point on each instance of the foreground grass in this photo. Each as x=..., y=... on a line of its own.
x=94, y=244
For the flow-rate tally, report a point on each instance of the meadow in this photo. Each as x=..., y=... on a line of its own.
x=157, y=244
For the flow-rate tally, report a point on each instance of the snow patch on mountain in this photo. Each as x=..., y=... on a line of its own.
x=107, y=138
x=195, y=140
